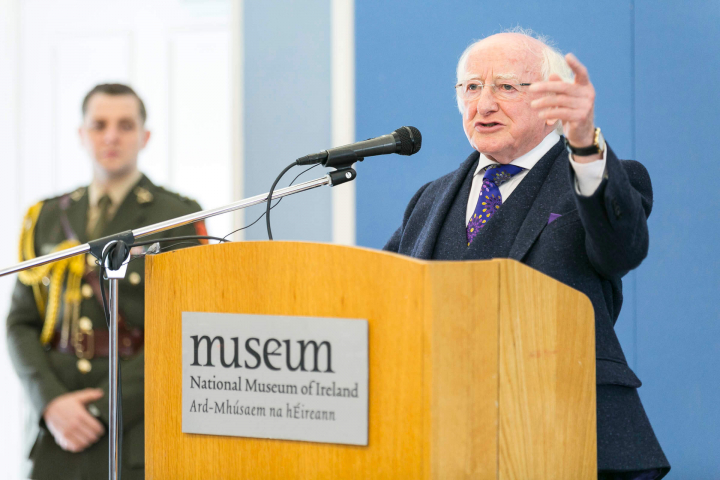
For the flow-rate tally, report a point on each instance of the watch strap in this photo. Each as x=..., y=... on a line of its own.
x=593, y=149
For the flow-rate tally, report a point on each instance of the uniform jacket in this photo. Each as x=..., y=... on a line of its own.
x=47, y=373
x=590, y=247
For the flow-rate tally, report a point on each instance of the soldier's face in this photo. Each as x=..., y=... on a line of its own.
x=113, y=134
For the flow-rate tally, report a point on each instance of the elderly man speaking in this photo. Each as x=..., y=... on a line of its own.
x=566, y=207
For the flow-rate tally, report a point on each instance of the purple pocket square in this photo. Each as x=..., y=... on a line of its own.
x=553, y=217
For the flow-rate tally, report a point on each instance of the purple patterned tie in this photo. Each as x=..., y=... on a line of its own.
x=490, y=198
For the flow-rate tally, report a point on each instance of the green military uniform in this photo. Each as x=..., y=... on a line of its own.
x=57, y=306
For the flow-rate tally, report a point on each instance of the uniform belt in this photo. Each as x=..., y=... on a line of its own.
x=97, y=343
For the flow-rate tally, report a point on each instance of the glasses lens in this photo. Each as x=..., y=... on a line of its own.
x=507, y=91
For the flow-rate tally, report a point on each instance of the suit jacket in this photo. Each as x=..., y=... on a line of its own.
x=47, y=373
x=590, y=247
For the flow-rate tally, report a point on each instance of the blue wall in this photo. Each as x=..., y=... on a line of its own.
x=287, y=111
x=655, y=68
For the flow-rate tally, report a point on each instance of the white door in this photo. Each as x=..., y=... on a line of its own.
x=175, y=53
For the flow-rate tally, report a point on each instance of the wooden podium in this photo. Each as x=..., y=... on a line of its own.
x=477, y=369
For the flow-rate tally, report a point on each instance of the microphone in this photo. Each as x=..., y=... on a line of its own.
x=403, y=141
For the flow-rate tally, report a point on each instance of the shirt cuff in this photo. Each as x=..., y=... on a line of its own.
x=588, y=176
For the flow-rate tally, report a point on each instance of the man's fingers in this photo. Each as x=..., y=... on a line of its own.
x=89, y=428
x=581, y=73
x=555, y=87
x=71, y=443
x=91, y=424
x=89, y=395
x=82, y=436
x=559, y=101
x=564, y=114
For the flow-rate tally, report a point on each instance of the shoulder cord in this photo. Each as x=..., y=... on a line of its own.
x=56, y=272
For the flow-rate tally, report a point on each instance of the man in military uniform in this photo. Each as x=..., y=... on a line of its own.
x=57, y=332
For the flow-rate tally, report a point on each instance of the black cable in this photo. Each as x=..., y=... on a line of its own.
x=275, y=205
x=182, y=237
x=106, y=311
x=269, y=198
x=145, y=254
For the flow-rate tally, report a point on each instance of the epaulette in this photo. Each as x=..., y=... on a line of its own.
x=176, y=195
x=77, y=194
x=143, y=195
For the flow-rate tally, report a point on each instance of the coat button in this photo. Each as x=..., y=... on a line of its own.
x=134, y=278
x=90, y=260
x=87, y=291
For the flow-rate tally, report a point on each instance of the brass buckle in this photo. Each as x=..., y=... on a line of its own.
x=84, y=329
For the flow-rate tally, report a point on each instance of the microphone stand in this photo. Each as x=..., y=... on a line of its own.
x=98, y=248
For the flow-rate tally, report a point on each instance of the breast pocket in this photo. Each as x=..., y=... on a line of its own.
x=564, y=220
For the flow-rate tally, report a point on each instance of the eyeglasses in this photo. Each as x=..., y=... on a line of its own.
x=472, y=90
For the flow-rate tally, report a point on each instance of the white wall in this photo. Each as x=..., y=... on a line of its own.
x=10, y=408
x=186, y=59
x=175, y=53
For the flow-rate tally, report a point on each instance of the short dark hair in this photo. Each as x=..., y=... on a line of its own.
x=114, y=89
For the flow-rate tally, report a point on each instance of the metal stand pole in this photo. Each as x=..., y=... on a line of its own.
x=114, y=426
x=176, y=222
x=333, y=178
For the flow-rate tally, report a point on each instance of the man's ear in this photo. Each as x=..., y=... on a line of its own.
x=146, y=137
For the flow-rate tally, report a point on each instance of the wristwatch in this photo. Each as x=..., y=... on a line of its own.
x=598, y=146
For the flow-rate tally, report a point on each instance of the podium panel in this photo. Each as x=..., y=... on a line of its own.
x=476, y=369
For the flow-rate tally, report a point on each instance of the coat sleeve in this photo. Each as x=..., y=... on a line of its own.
x=27, y=355
x=615, y=217
x=393, y=245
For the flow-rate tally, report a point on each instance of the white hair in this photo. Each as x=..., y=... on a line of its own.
x=551, y=60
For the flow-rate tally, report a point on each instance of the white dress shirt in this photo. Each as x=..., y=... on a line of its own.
x=588, y=176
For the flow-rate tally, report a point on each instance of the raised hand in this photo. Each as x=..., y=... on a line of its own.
x=571, y=103
x=69, y=422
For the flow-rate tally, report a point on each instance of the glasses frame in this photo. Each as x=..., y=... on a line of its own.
x=493, y=88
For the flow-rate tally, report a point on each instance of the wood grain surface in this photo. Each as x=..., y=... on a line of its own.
x=462, y=384
x=547, y=378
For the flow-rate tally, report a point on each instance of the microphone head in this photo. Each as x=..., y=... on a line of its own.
x=410, y=140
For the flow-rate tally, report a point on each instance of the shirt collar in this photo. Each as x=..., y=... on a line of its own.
x=117, y=192
x=528, y=160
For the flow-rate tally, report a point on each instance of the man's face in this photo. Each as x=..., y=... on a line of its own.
x=113, y=134
x=503, y=129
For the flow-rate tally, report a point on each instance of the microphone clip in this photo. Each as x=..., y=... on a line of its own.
x=342, y=175
x=342, y=161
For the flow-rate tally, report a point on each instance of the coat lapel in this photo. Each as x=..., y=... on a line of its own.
x=438, y=212
x=555, y=184
x=498, y=237
x=76, y=214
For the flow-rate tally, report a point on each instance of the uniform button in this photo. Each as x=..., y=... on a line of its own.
x=84, y=365
x=46, y=281
x=87, y=291
x=85, y=324
x=134, y=278
x=90, y=260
